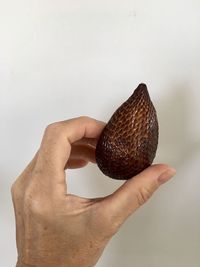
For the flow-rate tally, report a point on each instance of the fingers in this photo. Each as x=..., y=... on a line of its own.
x=82, y=127
x=136, y=191
x=80, y=156
x=83, y=152
x=57, y=140
x=87, y=141
x=76, y=163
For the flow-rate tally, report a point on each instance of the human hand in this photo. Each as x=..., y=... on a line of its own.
x=55, y=228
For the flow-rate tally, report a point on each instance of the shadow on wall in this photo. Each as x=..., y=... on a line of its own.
x=176, y=147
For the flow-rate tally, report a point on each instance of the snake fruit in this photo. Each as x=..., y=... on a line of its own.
x=128, y=143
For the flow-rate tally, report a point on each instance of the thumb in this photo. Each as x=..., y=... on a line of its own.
x=136, y=191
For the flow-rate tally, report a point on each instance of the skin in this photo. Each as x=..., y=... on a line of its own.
x=55, y=228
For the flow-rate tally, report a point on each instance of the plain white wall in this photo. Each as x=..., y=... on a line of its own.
x=61, y=59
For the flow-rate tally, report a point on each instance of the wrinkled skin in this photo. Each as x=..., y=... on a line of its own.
x=57, y=229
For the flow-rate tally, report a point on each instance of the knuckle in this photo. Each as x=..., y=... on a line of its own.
x=84, y=118
x=52, y=130
x=28, y=198
x=53, y=127
x=13, y=190
x=16, y=191
x=36, y=202
x=33, y=203
x=143, y=195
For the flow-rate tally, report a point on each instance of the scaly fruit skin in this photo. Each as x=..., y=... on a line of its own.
x=128, y=143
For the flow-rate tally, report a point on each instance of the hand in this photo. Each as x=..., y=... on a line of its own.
x=55, y=228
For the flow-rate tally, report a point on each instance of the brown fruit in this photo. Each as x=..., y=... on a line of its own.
x=128, y=143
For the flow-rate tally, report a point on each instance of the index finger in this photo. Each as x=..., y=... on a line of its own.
x=56, y=144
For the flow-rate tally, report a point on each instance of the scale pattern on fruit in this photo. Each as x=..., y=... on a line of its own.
x=128, y=143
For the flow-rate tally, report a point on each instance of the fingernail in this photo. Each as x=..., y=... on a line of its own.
x=166, y=176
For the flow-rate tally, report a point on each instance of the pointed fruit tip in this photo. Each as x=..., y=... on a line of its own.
x=141, y=90
x=142, y=86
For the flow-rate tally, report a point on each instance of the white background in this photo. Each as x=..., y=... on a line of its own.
x=62, y=59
